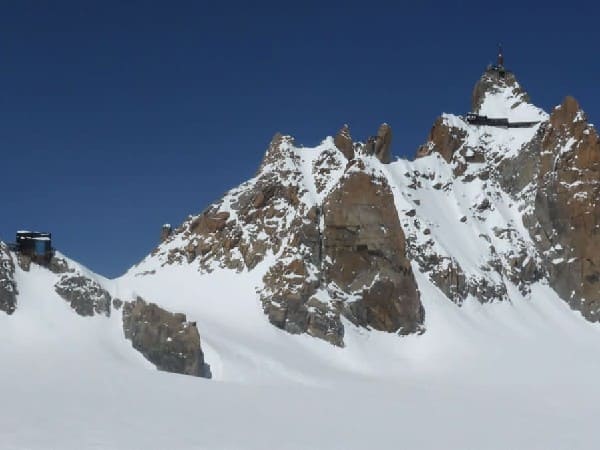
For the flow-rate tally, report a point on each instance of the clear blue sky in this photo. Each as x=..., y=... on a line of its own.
x=116, y=117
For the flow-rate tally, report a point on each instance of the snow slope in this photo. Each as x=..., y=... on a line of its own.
x=505, y=375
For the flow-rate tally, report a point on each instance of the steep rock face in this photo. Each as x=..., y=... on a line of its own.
x=383, y=144
x=380, y=145
x=566, y=218
x=346, y=259
x=289, y=296
x=84, y=295
x=8, y=286
x=167, y=340
x=443, y=139
x=364, y=255
x=343, y=141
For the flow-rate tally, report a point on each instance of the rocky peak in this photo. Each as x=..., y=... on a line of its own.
x=383, y=145
x=380, y=144
x=569, y=122
x=275, y=153
x=565, y=222
x=343, y=141
x=444, y=139
x=477, y=148
x=567, y=113
x=497, y=82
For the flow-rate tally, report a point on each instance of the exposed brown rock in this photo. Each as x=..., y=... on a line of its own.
x=358, y=255
x=210, y=222
x=165, y=339
x=380, y=145
x=443, y=139
x=343, y=141
x=217, y=235
x=275, y=152
x=289, y=287
x=566, y=219
x=364, y=250
x=383, y=144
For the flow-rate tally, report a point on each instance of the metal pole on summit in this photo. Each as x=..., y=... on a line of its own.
x=500, y=56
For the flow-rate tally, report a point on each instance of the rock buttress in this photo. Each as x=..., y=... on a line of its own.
x=165, y=339
x=346, y=259
x=364, y=256
x=565, y=222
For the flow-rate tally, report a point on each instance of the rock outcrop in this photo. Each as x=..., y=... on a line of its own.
x=383, y=145
x=238, y=231
x=165, y=232
x=566, y=219
x=364, y=255
x=443, y=139
x=84, y=295
x=8, y=286
x=495, y=81
x=380, y=145
x=59, y=265
x=343, y=141
x=347, y=259
x=165, y=339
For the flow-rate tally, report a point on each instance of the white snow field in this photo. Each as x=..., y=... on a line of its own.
x=520, y=375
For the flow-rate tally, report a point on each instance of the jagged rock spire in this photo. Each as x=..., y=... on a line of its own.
x=383, y=144
x=380, y=144
x=343, y=141
x=493, y=81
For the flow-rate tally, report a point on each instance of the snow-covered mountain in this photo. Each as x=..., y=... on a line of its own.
x=457, y=292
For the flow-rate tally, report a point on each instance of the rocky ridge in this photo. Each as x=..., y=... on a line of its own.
x=469, y=217
x=326, y=223
x=565, y=219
